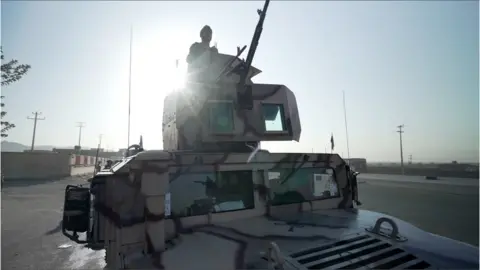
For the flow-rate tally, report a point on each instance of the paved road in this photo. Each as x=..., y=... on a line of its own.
x=31, y=237
x=448, y=208
x=422, y=180
x=31, y=232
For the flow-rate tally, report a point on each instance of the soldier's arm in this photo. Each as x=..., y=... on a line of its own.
x=191, y=54
x=214, y=49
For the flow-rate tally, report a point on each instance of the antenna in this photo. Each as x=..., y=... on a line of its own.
x=346, y=127
x=129, y=87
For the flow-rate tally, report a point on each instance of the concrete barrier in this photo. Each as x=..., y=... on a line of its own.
x=86, y=170
x=34, y=165
x=43, y=165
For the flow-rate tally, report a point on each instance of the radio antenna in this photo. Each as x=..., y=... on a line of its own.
x=129, y=87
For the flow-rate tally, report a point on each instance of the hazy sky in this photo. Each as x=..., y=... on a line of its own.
x=412, y=63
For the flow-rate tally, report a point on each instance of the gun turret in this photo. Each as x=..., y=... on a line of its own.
x=224, y=110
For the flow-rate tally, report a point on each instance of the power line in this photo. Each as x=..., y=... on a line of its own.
x=400, y=131
x=80, y=125
x=35, y=119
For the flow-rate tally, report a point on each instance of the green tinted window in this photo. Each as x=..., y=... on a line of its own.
x=202, y=193
x=221, y=117
x=306, y=184
x=274, y=117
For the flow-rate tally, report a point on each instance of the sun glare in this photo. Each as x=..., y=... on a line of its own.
x=179, y=77
x=159, y=63
x=155, y=74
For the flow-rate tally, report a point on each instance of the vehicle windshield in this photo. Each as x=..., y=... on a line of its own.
x=198, y=193
x=115, y=167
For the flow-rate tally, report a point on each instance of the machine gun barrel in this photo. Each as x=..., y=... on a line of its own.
x=244, y=95
x=255, y=39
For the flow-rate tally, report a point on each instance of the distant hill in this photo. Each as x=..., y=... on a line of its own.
x=18, y=147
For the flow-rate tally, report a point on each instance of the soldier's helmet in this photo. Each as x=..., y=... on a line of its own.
x=206, y=33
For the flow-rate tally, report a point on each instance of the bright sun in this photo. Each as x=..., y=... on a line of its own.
x=155, y=65
x=155, y=74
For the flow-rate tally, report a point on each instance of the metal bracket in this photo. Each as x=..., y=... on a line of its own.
x=275, y=257
x=388, y=233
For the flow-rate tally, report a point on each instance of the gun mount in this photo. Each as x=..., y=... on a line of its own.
x=208, y=116
x=222, y=109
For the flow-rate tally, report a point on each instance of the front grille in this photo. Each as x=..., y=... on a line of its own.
x=359, y=251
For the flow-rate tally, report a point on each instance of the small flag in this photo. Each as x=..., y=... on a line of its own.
x=141, y=141
x=332, y=143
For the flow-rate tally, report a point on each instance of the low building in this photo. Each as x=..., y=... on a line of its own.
x=358, y=164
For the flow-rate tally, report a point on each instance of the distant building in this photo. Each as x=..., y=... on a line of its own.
x=459, y=167
x=37, y=151
x=88, y=152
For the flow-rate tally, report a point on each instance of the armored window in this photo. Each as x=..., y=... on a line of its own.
x=202, y=193
x=306, y=184
x=274, y=117
x=120, y=164
x=221, y=116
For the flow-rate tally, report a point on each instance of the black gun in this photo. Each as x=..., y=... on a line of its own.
x=244, y=93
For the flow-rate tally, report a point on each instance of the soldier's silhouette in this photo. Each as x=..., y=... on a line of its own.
x=198, y=48
x=353, y=178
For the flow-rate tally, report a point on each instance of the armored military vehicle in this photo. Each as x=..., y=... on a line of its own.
x=212, y=199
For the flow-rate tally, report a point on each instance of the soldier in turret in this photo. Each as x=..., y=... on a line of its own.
x=198, y=48
x=352, y=175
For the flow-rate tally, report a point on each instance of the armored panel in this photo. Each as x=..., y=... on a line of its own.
x=206, y=115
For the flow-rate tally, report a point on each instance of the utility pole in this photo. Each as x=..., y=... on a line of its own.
x=100, y=140
x=35, y=119
x=400, y=131
x=96, y=169
x=410, y=159
x=80, y=125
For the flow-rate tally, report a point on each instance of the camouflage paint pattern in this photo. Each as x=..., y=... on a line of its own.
x=135, y=197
